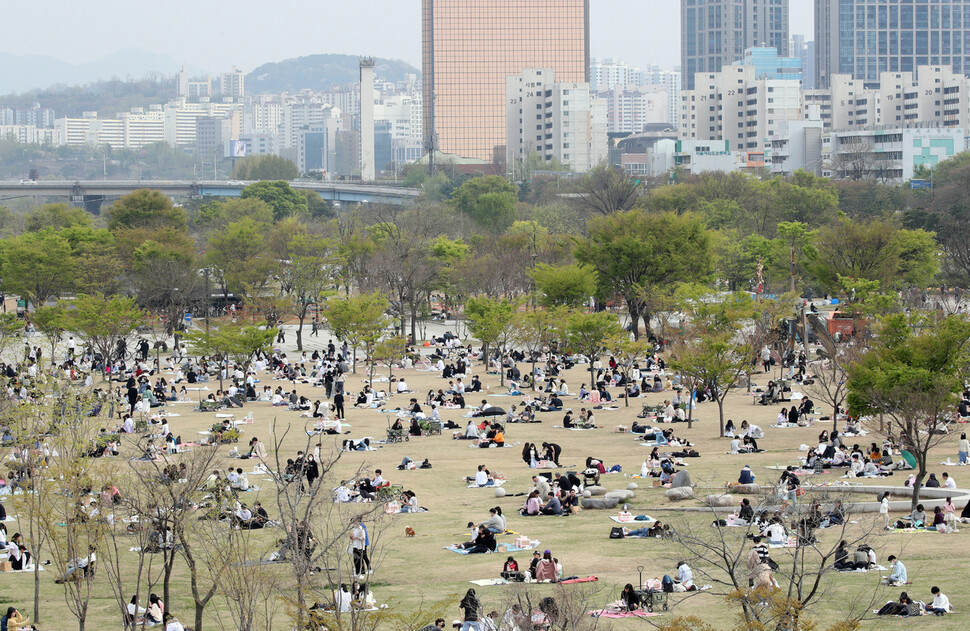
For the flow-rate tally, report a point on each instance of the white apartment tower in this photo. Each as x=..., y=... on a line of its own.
x=367, y=170
x=560, y=121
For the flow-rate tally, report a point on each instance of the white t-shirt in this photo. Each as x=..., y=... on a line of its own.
x=481, y=478
x=174, y=625
x=940, y=601
x=341, y=600
x=950, y=484
x=735, y=446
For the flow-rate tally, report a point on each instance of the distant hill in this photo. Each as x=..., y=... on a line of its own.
x=23, y=73
x=320, y=72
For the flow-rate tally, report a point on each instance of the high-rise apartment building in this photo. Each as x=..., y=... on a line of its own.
x=715, y=33
x=865, y=38
x=554, y=120
x=741, y=104
x=606, y=74
x=469, y=47
x=233, y=83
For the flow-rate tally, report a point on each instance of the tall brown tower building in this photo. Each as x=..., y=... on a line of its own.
x=471, y=46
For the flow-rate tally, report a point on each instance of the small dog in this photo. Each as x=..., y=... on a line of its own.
x=409, y=532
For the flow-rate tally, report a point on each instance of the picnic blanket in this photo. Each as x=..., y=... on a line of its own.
x=878, y=568
x=791, y=542
x=570, y=581
x=611, y=613
x=511, y=547
x=637, y=522
x=487, y=486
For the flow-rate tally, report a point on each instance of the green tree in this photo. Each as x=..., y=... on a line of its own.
x=537, y=329
x=875, y=250
x=55, y=216
x=146, y=209
x=358, y=320
x=284, y=200
x=564, y=285
x=714, y=351
x=97, y=264
x=240, y=255
x=268, y=167
x=308, y=273
x=490, y=321
x=317, y=207
x=607, y=190
x=103, y=321
x=234, y=342
x=797, y=237
x=49, y=321
x=638, y=251
x=37, y=266
x=489, y=200
x=911, y=381
x=217, y=214
x=591, y=335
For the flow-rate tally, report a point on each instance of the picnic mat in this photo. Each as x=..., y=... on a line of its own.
x=487, y=486
x=488, y=582
x=607, y=613
x=588, y=579
x=511, y=547
x=646, y=522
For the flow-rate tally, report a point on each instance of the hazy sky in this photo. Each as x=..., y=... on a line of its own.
x=215, y=34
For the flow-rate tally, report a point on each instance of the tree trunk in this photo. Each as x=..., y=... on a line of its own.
x=918, y=485
x=299, y=330
x=501, y=367
x=533, y=373
x=37, y=585
x=634, y=319
x=720, y=414
x=166, y=591
x=354, y=370
x=592, y=375
x=414, y=322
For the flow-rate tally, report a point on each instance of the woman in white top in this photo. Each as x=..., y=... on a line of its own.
x=963, y=450
x=884, y=510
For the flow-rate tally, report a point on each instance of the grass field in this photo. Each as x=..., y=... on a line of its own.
x=415, y=570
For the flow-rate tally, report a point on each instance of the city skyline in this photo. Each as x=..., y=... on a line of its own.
x=220, y=33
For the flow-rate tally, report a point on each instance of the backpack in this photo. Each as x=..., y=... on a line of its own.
x=616, y=532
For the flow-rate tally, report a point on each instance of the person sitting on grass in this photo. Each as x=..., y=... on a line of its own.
x=484, y=542
x=482, y=477
x=532, y=505
x=898, y=576
x=630, y=598
x=746, y=476
x=495, y=523
x=552, y=506
x=941, y=604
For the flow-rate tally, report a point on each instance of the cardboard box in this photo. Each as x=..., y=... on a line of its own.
x=625, y=516
x=6, y=566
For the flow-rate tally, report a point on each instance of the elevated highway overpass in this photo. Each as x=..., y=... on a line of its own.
x=92, y=193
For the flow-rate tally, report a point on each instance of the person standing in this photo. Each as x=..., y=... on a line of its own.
x=358, y=543
x=469, y=606
x=884, y=510
x=338, y=402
